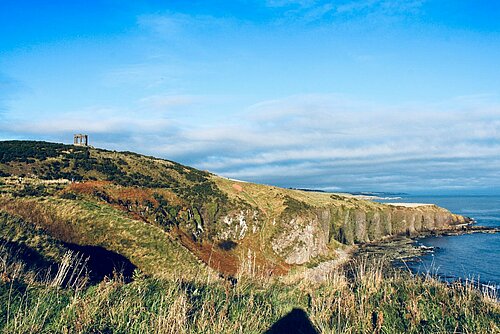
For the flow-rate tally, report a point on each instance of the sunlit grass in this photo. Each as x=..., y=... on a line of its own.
x=367, y=300
x=97, y=224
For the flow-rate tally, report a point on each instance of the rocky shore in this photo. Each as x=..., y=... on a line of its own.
x=404, y=247
x=395, y=251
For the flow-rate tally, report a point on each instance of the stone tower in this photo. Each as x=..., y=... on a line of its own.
x=81, y=140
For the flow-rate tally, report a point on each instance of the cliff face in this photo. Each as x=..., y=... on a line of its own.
x=303, y=238
x=302, y=235
x=309, y=235
x=227, y=224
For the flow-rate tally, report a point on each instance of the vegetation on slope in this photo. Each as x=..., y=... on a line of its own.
x=368, y=302
x=62, y=206
x=95, y=224
x=222, y=222
x=50, y=161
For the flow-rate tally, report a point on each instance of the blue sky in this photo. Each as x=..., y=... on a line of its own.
x=377, y=95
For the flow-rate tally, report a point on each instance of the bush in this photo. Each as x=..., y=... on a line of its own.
x=27, y=151
x=68, y=196
x=30, y=190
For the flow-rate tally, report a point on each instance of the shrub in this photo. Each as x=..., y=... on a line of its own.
x=30, y=190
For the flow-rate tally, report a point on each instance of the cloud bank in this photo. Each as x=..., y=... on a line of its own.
x=322, y=141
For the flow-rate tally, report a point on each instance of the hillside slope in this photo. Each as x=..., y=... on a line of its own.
x=170, y=219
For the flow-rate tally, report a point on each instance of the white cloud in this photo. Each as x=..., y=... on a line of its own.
x=167, y=101
x=284, y=3
x=91, y=120
x=375, y=10
x=295, y=136
x=316, y=140
x=172, y=25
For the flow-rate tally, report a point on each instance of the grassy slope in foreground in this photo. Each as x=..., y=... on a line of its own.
x=370, y=302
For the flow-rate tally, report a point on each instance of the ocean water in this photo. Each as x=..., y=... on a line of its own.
x=470, y=256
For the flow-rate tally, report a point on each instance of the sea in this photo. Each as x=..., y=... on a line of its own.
x=472, y=257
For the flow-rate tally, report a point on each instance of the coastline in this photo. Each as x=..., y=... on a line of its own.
x=404, y=252
x=396, y=244
x=395, y=250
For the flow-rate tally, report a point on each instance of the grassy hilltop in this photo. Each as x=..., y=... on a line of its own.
x=176, y=216
x=201, y=253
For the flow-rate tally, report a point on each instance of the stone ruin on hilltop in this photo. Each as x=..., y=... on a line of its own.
x=81, y=140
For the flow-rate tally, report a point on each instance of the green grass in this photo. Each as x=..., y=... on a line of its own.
x=198, y=192
x=370, y=302
x=52, y=161
x=86, y=222
x=172, y=292
x=14, y=230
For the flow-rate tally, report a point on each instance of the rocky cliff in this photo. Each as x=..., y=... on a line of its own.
x=229, y=225
x=309, y=234
x=300, y=226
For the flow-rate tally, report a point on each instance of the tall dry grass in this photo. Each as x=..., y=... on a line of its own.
x=366, y=299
